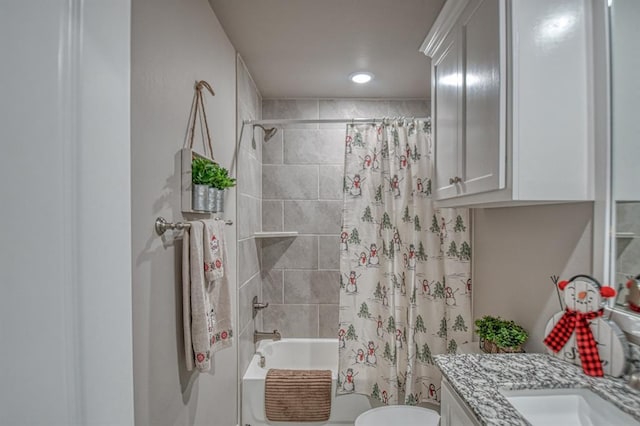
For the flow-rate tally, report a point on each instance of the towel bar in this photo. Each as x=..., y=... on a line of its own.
x=162, y=225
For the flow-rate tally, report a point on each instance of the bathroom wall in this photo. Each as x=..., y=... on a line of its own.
x=516, y=250
x=175, y=43
x=249, y=211
x=65, y=269
x=302, y=191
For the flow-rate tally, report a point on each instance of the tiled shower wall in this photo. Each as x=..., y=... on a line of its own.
x=302, y=175
x=249, y=175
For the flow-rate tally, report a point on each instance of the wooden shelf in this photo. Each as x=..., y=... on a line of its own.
x=277, y=234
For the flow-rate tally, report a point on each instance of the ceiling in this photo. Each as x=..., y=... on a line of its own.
x=308, y=48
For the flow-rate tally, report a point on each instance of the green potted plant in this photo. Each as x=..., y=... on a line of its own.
x=220, y=180
x=202, y=171
x=500, y=336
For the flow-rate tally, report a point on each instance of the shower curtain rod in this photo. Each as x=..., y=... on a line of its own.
x=323, y=120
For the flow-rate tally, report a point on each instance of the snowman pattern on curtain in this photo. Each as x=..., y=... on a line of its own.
x=405, y=284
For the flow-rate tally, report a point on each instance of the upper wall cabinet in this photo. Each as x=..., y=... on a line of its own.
x=511, y=102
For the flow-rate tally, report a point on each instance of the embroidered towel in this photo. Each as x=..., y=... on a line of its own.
x=206, y=304
x=298, y=395
x=218, y=287
x=213, y=260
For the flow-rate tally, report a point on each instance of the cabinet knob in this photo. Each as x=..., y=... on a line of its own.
x=452, y=181
x=457, y=179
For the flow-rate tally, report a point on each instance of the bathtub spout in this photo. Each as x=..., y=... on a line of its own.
x=260, y=335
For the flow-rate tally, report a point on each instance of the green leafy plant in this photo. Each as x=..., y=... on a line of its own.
x=511, y=336
x=202, y=171
x=206, y=172
x=221, y=178
x=503, y=333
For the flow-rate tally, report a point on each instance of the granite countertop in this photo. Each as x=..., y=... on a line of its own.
x=478, y=379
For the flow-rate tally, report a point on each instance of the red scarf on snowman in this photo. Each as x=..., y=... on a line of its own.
x=579, y=322
x=587, y=347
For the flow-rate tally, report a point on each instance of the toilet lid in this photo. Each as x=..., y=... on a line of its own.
x=398, y=415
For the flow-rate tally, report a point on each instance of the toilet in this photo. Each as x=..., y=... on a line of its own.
x=405, y=415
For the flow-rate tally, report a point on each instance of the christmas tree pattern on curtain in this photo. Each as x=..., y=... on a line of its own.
x=405, y=284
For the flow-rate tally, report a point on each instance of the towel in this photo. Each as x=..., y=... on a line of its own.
x=298, y=395
x=218, y=293
x=213, y=259
x=186, y=301
x=206, y=304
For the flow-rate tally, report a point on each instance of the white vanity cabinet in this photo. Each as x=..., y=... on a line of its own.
x=453, y=411
x=511, y=95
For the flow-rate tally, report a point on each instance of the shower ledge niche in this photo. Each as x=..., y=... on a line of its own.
x=276, y=234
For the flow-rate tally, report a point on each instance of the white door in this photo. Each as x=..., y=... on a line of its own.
x=65, y=250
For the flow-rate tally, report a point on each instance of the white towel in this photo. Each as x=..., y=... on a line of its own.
x=206, y=305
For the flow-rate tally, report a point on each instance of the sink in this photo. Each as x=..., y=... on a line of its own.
x=566, y=407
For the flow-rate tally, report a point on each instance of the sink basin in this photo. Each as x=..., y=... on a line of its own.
x=566, y=407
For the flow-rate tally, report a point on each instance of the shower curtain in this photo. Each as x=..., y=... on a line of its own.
x=405, y=282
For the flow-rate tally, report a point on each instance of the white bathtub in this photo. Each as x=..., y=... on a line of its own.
x=303, y=354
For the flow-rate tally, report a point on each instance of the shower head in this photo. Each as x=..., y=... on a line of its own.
x=268, y=133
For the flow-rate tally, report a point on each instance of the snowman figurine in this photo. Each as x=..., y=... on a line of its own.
x=580, y=334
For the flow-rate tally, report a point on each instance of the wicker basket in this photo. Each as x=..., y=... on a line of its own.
x=490, y=347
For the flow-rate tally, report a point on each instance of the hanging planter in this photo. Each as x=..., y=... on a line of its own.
x=219, y=183
x=202, y=170
x=198, y=169
x=200, y=198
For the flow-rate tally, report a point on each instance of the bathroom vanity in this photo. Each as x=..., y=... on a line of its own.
x=525, y=389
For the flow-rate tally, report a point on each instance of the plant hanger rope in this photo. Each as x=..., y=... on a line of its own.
x=198, y=110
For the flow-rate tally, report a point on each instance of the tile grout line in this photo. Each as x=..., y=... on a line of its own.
x=282, y=285
x=282, y=209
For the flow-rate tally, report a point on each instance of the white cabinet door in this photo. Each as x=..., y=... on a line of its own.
x=453, y=411
x=448, y=81
x=483, y=139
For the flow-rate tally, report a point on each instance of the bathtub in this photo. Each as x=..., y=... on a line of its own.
x=303, y=354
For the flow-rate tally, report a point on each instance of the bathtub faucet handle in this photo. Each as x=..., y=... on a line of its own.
x=257, y=306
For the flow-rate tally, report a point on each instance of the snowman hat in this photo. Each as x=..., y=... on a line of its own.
x=604, y=291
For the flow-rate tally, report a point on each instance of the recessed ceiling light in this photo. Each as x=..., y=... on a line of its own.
x=361, y=77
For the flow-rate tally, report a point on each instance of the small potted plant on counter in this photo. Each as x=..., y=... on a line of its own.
x=500, y=336
x=202, y=171
x=220, y=180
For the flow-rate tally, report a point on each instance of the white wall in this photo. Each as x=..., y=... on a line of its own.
x=516, y=250
x=65, y=310
x=175, y=43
